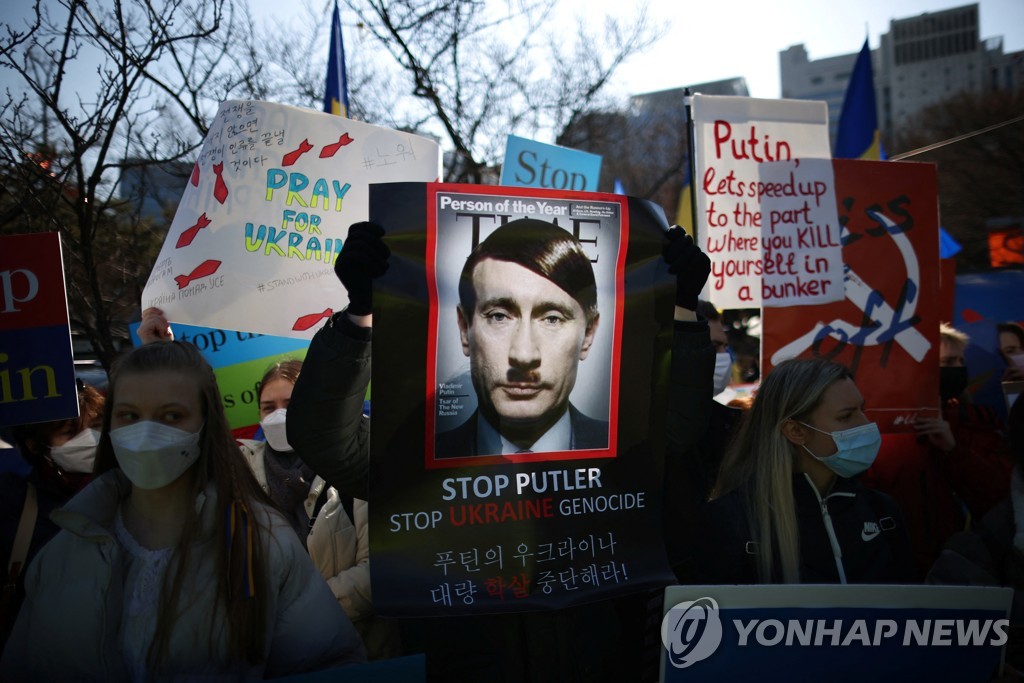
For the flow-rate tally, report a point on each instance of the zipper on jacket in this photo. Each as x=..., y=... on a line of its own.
x=837, y=552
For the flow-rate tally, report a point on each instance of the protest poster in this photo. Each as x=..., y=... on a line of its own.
x=801, y=254
x=459, y=527
x=835, y=633
x=886, y=330
x=239, y=360
x=534, y=164
x=37, y=368
x=733, y=137
x=266, y=211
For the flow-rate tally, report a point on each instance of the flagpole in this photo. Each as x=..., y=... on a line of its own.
x=690, y=161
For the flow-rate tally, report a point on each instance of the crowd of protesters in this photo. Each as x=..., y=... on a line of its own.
x=146, y=543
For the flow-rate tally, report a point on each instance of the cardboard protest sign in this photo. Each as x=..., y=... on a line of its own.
x=886, y=330
x=534, y=164
x=266, y=211
x=734, y=136
x=239, y=360
x=519, y=413
x=37, y=369
x=841, y=633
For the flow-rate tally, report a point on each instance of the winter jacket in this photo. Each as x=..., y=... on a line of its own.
x=340, y=548
x=594, y=642
x=850, y=535
x=68, y=628
x=50, y=495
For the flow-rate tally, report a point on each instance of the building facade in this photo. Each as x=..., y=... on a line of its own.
x=921, y=61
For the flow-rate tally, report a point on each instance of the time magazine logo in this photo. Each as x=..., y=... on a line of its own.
x=692, y=632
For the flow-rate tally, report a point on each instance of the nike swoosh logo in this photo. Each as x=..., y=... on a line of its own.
x=869, y=535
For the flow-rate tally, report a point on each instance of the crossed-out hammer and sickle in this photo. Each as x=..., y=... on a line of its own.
x=882, y=314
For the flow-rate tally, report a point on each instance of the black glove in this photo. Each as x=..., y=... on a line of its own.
x=363, y=257
x=688, y=263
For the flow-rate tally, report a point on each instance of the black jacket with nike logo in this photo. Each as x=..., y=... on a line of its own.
x=851, y=535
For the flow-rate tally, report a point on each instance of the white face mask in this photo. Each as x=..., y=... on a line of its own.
x=77, y=454
x=152, y=455
x=723, y=371
x=274, y=429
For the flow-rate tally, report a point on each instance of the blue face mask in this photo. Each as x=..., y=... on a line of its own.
x=857, y=449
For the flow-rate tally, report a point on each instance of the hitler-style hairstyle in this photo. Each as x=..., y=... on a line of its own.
x=542, y=248
x=760, y=461
x=222, y=463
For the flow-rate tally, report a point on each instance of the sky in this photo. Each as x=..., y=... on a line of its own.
x=706, y=40
x=718, y=39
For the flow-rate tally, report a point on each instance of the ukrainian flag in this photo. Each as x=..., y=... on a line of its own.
x=857, y=137
x=336, y=91
x=684, y=215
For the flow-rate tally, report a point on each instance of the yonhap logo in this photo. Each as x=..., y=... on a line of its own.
x=691, y=632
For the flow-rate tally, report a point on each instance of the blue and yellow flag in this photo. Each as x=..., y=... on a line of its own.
x=336, y=91
x=857, y=137
x=684, y=213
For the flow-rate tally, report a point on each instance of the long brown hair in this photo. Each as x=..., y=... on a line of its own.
x=222, y=464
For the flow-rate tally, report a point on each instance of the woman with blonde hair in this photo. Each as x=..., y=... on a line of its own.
x=172, y=562
x=787, y=506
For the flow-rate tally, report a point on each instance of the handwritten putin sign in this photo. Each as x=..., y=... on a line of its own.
x=746, y=215
x=266, y=211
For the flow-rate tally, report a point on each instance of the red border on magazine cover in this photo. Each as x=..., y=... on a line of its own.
x=431, y=356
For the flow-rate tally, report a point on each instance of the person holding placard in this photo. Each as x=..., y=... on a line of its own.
x=326, y=426
x=173, y=563
x=787, y=506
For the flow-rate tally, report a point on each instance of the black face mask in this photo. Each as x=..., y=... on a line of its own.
x=952, y=382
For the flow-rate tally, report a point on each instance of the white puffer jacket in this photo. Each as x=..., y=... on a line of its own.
x=69, y=625
x=340, y=549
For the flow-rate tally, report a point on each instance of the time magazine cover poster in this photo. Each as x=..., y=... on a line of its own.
x=521, y=344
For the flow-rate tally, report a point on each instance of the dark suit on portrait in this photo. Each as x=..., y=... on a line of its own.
x=460, y=442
